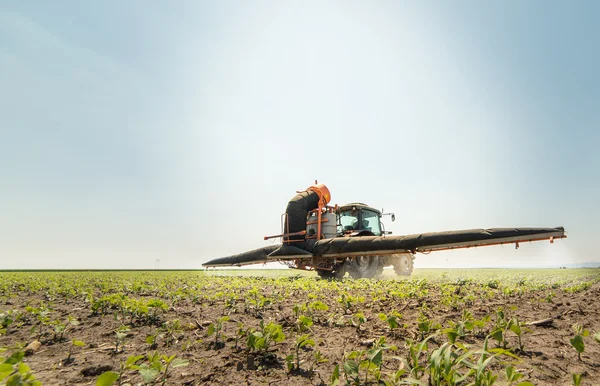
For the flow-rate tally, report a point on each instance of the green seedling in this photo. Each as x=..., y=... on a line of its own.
x=109, y=378
x=240, y=333
x=368, y=360
x=120, y=335
x=517, y=328
x=303, y=323
x=301, y=342
x=60, y=329
x=318, y=358
x=334, y=379
x=512, y=375
x=261, y=341
x=74, y=343
x=215, y=329
x=426, y=326
x=577, y=379
x=577, y=340
x=391, y=319
x=172, y=331
x=358, y=320
x=13, y=372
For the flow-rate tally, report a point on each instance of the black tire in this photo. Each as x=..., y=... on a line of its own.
x=337, y=273
x=403, y=264
x=364, y=266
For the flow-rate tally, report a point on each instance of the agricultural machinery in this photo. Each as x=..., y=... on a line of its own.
x=351, y=239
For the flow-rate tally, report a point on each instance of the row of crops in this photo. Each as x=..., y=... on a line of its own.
x=436, y=328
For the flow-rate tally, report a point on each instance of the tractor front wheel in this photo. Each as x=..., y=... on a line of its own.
x=403, y=263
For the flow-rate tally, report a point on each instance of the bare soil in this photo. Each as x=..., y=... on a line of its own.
x=547, y=358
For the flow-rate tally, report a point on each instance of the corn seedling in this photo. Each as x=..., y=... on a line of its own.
x=512, y=375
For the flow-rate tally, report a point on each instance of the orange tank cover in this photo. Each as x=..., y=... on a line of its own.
x=322, y=191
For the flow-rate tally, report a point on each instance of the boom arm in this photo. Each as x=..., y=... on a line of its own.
x=381, y=245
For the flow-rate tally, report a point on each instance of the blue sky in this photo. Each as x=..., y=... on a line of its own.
x=136, y=131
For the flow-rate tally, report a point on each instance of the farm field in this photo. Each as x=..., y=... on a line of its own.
x=260, y=327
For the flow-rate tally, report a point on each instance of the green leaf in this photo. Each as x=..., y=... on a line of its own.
x=5, y=370
x=376, y=356
x=78, y=343
x=515, y=328
x=577, y=342
x=351, y=368
x=335, y=376
x=107, y=378
x=15, y=358
x=289, y=361
x=179, y=363
x=525, y=383
x=133, y=359
x=211, y=329
x=149, y=375
x=497, y=334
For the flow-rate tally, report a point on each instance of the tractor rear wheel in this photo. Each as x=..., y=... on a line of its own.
x=364, y=266
x=337, y=273
x=403, y=264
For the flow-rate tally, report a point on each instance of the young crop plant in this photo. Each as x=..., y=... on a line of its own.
x=172, y=331
x=260, y=341
x=43, y=319
x=513, y=376
x=358, y=320
x=303, y=323
x=349, y=302
x=13, y=372
x=60, y=328
x=241, y=333
x=415, y=351
x=446, y=365
x=391, y=320
x=120, y=335
x=317, y=309
x=215, y=329
x=577, y=340
x=517, y=328
x=158, y=366
x=426, y=326
x=74, y=343
x=301, y=342
x=6, y=319
x=370, y=361
x=318, y=358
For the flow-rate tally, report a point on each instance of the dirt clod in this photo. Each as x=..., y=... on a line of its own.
x=33, y=347
x=93, y=371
